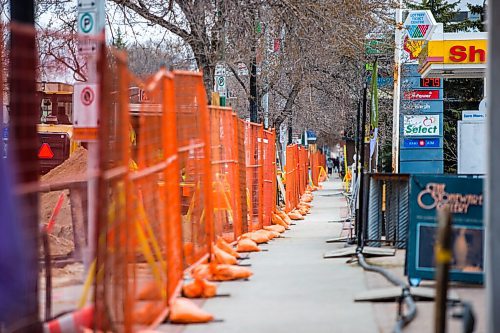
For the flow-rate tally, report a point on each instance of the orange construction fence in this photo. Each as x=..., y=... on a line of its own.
x=270, y=185
x=318, y=166
x=174, y=174
x=254, y=152
x=299, y=162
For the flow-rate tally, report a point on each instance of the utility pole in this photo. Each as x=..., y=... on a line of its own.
x=397, y=87
x=492, y=190
x=24, y=153
x=253, y=73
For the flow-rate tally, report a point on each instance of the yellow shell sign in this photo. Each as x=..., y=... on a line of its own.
x=457, y=54
x=457, y=51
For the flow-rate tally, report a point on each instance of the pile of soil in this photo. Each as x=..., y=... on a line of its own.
x=75, y=167
x=61, y=238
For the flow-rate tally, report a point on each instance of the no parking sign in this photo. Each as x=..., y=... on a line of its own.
x=85, y=104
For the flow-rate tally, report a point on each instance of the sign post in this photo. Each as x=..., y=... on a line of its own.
x=86, y=104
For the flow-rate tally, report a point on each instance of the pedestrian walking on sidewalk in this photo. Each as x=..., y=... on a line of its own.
x=329, y=165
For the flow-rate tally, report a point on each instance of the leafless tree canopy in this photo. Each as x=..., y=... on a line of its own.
x=309, y=55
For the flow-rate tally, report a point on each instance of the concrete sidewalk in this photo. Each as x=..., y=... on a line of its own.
x=293, y=288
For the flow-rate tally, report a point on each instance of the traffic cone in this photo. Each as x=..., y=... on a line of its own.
x=72, y=322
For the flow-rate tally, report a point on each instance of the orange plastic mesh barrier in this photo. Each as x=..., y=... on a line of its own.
x=193, y=136
x=244, y=197
x=303, y=169
x=292, y=177
x=255, y=174
x=270, y=183
x=225, y=173
x=314, y=157
x=139, y=254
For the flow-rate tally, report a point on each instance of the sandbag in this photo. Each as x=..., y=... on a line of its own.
x=247, y=245
x=184, y=311
x=295, y=215
x=277, y=220
x=223, y=257
x=306, y=204
x=201, y=271
x=302, y=212
x=284, y=217
x=229, y=273
x=199, y=288
x=275, y=227
x=269, y=234
x=258, y=238
x=224, y=246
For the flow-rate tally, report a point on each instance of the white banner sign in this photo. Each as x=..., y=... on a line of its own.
x=421, y=125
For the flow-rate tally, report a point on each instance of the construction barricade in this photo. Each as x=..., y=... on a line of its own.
x=139, y=251
x=225, y=173
x=270, y=183
x=292, y=179
x=193, y=139
x=254, y=156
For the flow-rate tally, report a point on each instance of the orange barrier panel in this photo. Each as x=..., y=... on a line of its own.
x=139, y=246
x=193, y=138
x=225, y=173
x=255, y=174
x=303, y=168
x=292, y=178
x=244, y=193
x=270, y=183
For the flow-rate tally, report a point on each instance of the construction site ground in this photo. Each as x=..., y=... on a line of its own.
x=294, y=289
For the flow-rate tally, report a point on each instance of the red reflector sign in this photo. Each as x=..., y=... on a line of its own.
x=45, y=152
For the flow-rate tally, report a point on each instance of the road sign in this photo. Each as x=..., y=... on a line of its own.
x=420, y=24
x=86, y=106
x=220, y=70
x=221, y=82
x=90, y=24
x=220, y=85
x=87, y=23
x=87, y=4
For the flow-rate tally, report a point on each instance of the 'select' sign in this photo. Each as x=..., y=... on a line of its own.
x=421, y=125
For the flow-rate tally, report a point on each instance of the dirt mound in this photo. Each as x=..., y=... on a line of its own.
x=75, y=167
x=61, y=237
